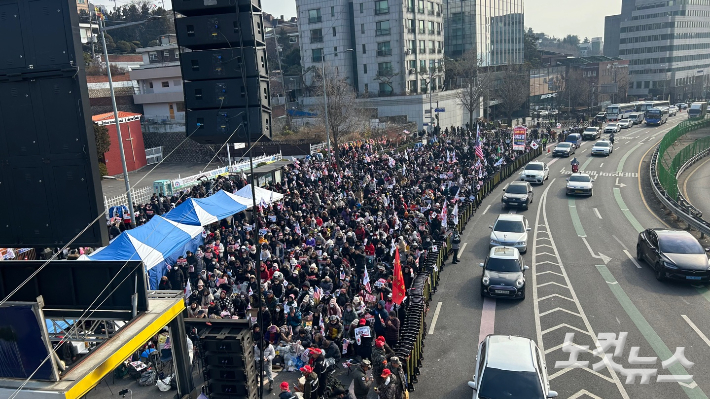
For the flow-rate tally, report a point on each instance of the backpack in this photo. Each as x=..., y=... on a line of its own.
x=147, y=378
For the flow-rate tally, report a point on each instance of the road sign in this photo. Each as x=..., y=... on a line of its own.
x=440, y=109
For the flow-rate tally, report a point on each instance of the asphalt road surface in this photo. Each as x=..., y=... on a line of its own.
x=583, y=279
x=694, y=184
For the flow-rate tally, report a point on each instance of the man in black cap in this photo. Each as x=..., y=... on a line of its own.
x=361, y=381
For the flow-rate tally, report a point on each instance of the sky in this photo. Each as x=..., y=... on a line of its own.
x=549, y=16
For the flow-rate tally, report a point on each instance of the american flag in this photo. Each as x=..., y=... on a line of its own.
x=479, y=150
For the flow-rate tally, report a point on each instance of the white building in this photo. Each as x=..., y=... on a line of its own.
x=159, y=83
x=382, y=47
x=667, y=44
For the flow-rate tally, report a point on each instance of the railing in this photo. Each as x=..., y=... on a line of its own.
x=382, y=10
x=664, y=179
x=382, y=32
x=432, y=50
x=430, y=12
x=314, y=20
x=316, y=39
x=420, y=10
x=140, y=196
x=384, y=53
x=315, y=148
x=154, y=155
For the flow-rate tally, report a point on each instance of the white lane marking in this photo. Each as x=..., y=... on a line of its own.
x=436, y=317
x=602, y=164
x=462, y=248
x=632, y=259
x=619, y=241
x=553, y=161
x=596, y=212
x=696, y=329
x=486, y=210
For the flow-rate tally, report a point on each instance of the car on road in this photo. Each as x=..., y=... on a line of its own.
x=574, y=138
x=591, y=133
x=682, y=106
x=674, y=254
x=672, y=110
x=510, y=230
x=535, y=172
x=580, y=184
x=612, y=128
x=600, y=117
x=602, y=147
x=563, y=150
x=636, y=118
x=510, y=367
x=503, y=274
x=625, y=123
x=518, y=193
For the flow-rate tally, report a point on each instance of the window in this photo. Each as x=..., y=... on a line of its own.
x=335, y=51
x=364, y=69
x=362, y=28
x=420, y=6
x=384, y=49
x=382, y=28
x=413, y=46
x=424, y=85
x=431, y=27
x=422, y=66
x=422, y=29
x=314, y=16
x=381, y=7
x=150, y=84
x=153, y=56
x=334, y=31
x=422, y=46
x=316, y=35
x=384, y=68
x=165, y=84
x=411, y=26
x=412, y=86
x=166, y=54
x=362, y=8
x=432, y=46
x=317, y=54
x=177, y=54
x=332, y=11
x=430, y=9
x=412, y=64
x=367, y=88
x=385, y=89
x=364, y=50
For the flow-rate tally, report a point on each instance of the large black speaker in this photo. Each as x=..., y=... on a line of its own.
x=229, y=361
x=226, y=86
x=224, y=63
x=220, y=31
x=227, y=93
x=50, y=187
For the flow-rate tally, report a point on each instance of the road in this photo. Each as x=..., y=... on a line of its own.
x=583, y=279
x=694, y=184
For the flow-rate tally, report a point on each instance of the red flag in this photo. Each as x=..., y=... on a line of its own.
x=398, y=290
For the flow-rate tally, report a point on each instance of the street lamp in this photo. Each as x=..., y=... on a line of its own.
x=325, y=97
x=102, y=29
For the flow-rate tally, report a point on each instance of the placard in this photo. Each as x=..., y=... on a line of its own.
x=519, y=138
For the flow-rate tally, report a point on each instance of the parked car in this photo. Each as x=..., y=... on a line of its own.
x=625, y=123
x=674, y=254
x=612, y=128
x=591, y=133
x=575, y=139
x=510, y=367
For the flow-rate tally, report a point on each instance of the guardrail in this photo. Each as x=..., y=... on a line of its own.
x=664, y=180
x=413, y=330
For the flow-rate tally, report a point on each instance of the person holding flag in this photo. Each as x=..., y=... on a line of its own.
x=399, y=292
x=479, y=150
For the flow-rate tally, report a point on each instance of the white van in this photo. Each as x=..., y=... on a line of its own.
x=636, y=118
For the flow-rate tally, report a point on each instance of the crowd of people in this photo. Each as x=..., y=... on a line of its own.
x=315, y=270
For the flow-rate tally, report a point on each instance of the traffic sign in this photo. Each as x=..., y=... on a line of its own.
x=440, y=109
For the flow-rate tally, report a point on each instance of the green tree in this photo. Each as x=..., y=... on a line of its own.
x=123, y=47
x=571, y=40
x=103, y=140
x=532, y=56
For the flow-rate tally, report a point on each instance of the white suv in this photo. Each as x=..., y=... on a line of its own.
x=510, y=367
x=535, y=172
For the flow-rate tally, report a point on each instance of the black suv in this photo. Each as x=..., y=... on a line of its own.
x=518, y=193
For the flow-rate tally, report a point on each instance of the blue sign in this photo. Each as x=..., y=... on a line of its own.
x=425, y=124
x=439, y=109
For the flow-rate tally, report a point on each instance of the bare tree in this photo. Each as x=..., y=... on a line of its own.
x=340, y=108
x=512, y=89
x=472, y=79
x=576, y=89
x=387, y=76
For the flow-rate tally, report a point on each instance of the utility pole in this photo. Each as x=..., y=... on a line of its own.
x=431, y=89
x=325, y=104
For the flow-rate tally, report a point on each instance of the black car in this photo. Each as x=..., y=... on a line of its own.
x=518, y=193
x=503, y=274
x=673, y=254
x=563, y=150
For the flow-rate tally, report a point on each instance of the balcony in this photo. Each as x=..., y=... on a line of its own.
x=422, y=50
x=382, y=10
x=317, y=39
x=384, y=72
x=384, y=53
x=315, y=20
x=382, y=32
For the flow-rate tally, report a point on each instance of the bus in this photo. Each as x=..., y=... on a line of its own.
x=656, y=116
x=697, y=110
x=645, y=106
x=617, y=112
